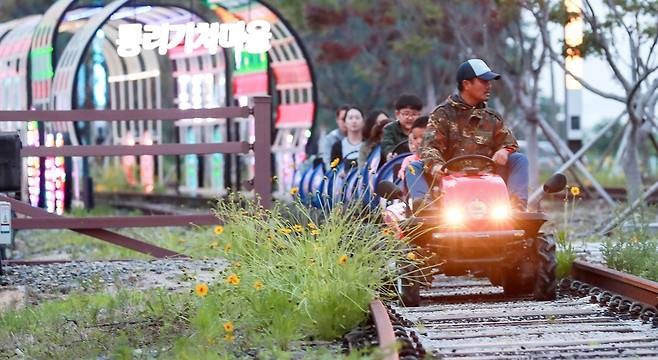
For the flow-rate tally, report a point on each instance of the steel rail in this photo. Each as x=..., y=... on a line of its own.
x=385, y=333
x=38, y=214
x=636, y=288
x=235, y=147
x=124, y=115
x=97, y=222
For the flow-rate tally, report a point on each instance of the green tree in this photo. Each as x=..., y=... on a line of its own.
x=368, y=53
x=10, y=10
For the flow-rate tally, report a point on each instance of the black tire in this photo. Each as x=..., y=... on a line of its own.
x=516, y=283
x=519, y=279
x=408, y=285
x=544, y=259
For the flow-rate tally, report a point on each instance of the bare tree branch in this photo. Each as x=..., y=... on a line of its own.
x=633, y=107
x=633, y=47
x=597, y=32
x=651, y=49
x=543, y=29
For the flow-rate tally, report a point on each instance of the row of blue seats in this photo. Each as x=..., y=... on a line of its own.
x=345, y=183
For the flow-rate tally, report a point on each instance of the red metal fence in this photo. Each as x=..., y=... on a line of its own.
x=36, y=218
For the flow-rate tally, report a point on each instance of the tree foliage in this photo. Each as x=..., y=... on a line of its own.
x=368, y=53
x=10, y=10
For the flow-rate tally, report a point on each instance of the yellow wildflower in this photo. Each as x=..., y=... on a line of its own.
x=229, y=337
x=315, y=232
x=219, y=229
x=335, y=163
x=312, y=226
x=285, y=231
x=298, y=228
x=233, y=279
x=342, y=260
x=294, y=191
x=228, y=247
x=237, y=264
x=228, y=326
x=201, y=289
x=411, y=256
x=387, y=232
x=575, y=190
x=258, y=285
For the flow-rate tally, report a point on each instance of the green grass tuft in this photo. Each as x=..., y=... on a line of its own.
x=295, y=275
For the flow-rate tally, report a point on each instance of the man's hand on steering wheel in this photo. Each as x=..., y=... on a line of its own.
x=500, y=157
x=438, y=170
x=445, y=168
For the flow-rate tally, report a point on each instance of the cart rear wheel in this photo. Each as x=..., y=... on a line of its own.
x=545, y=281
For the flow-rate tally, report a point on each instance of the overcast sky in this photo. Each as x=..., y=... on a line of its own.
x=596, y=72
x=595, y=108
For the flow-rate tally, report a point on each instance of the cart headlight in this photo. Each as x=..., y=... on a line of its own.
x=500, y=212
x=454, y=216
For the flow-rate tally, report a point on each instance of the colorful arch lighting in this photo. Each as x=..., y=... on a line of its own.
x=292, y=74
x=45, y=77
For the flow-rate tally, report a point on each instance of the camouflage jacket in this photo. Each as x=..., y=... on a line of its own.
x=456, y=128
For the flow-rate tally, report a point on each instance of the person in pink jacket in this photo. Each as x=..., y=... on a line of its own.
x=416, y=135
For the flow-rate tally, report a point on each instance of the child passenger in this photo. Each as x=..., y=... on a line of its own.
x=407, y=110
x=415, y=140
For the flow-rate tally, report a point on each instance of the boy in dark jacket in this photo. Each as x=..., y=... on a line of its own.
x=407, y=110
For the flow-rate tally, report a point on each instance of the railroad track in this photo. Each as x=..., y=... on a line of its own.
x=468, y=318
x=619, y=194
x=156, y=204
x=197, y=202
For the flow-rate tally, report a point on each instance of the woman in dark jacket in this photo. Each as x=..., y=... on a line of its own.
x=373, y=132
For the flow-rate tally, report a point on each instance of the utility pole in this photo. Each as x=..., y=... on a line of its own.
x=573, y=37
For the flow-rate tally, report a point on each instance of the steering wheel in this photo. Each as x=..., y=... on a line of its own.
x=399, y=146
x=467, y=157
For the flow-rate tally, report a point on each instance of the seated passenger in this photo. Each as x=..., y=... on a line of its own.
x=415, y=141
x=373, y=131
x=348, y=148
x=463, y=125
x=407, y=109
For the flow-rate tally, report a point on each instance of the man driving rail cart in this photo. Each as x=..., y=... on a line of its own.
x=466, y=209
x=464, y=125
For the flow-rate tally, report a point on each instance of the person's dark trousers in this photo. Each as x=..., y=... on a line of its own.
x=515, y=174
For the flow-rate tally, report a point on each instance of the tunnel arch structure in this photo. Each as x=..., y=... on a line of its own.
x=39, y=69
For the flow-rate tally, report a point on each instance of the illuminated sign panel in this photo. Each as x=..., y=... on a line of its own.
x=33, y=166
x=55, y=175
x=253, y=37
